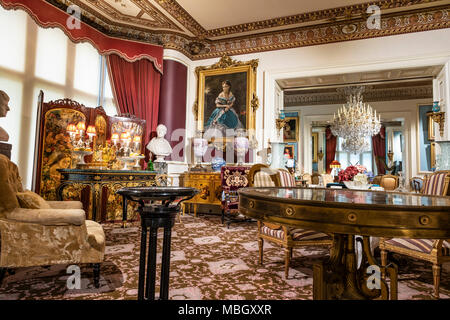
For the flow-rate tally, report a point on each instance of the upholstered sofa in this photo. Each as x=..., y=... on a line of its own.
x=58, y=234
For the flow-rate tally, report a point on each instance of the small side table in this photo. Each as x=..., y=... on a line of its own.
x=153, y=216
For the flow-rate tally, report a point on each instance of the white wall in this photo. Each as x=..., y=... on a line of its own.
x=401, y=51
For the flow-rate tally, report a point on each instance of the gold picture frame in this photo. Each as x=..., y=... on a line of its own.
x=431, y=135
x=421, y=121
x=293, y=136
x=315, y=146
x=209, y=80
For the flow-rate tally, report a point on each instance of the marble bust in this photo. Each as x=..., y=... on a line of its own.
x=159, y=146
x=4, y=108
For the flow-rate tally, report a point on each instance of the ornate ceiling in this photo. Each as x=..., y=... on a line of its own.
x=210, y=28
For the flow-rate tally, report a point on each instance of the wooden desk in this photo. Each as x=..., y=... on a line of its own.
x=346, y=213
x=102, y=202
x=209, y=184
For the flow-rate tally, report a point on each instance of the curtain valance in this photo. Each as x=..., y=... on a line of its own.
x=48, y=16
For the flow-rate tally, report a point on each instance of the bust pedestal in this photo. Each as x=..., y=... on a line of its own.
x=5, y=148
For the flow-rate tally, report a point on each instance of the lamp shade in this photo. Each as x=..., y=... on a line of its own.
x=335, y=164
x=91, y=130
x=81, y=126
x=71, y=128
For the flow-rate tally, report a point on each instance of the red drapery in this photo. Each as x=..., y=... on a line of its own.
x=331, y=147
x=49, y=16
x=136, y=87
x=379, y=149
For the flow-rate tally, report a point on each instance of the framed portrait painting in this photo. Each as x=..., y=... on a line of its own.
x=290, y=131
x=315, y=146
x=226, y=97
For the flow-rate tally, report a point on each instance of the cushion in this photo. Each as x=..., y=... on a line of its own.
x=308, y=235
x=421, y=245
x=96, y=235
x=48, y=217
x=434, y=185
x=31, y=200
x=8, y=199
x=286, y=179
x=297, y=234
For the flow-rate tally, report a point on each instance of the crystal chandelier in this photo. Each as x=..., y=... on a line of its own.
x=355, y=122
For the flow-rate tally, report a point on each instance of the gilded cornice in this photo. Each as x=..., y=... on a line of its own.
x=384, y=94
x=330, y=15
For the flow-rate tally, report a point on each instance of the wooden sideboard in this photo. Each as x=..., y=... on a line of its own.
x=208, y=183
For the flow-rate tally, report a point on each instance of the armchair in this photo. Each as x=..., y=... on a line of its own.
x=232, y=179
x=389, y=182
x=435, y=251
x=261, y=175
x=59, y=234
x=416, y=184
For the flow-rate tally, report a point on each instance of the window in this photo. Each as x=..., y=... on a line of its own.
x=37, y=59
x=51, y=55
x=346, y=158
x=87, y=69
x=13, y=28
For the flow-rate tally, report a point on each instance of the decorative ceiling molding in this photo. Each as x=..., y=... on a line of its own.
x=183, y=17
x=331, y=15
x=393, y=24
x=320, y=27
x=370, y=95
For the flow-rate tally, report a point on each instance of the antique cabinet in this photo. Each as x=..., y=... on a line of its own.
x=208, y=183
x=103, y=204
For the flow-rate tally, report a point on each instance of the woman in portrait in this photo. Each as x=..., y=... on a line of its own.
x=288, y=153
x=224, y=116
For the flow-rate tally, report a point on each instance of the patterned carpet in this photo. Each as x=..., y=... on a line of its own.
x=208, y=261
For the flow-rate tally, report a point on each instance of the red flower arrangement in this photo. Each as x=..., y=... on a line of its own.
x=350, y=172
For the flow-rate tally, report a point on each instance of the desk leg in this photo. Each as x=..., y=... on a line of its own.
x=165, y=264
x=151, y=265
x=142, y=263
x=124, y=212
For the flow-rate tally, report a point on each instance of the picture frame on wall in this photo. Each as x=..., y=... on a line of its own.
x=315, y=146
x=226, y=98
x=426, y=156
x=291, y=130
x=431, y=135
x=290, y=154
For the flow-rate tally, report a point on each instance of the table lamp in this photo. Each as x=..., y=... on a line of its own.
x=335, y=165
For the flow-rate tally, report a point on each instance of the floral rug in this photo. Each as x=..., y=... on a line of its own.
x=208, y=261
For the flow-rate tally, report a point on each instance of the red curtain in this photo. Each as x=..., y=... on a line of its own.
x=136, y=88
x=379, y=149
x=331, y=147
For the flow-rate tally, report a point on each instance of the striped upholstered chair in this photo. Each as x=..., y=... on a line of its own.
x=434, y=251
x=261, y=175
